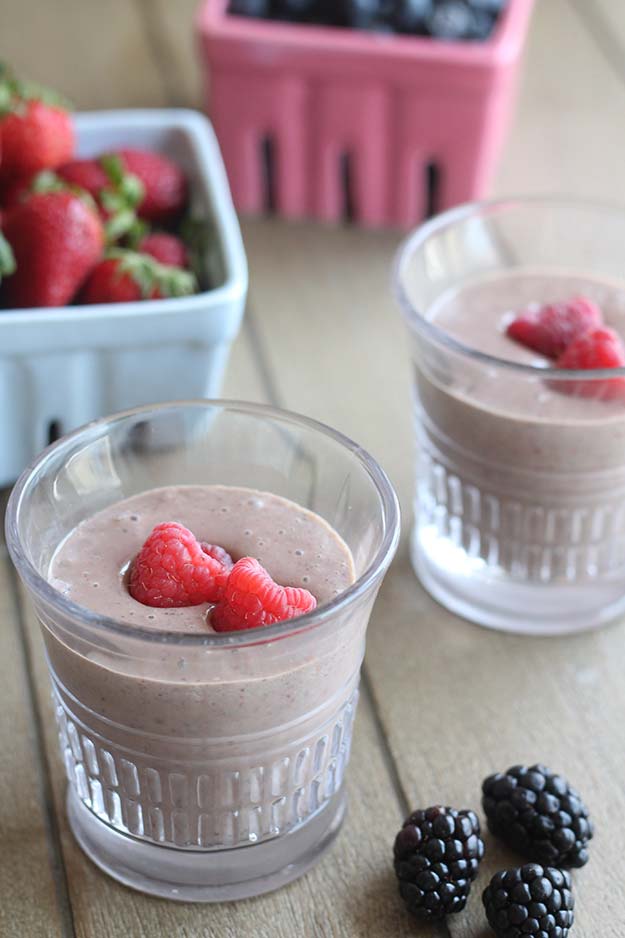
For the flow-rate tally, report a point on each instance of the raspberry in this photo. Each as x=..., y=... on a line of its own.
x=551, y=328
x=600, y=348
x=218, y=553
x=251, y=599
x=172, y=569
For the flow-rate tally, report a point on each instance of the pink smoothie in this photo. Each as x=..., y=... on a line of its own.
x=514, y=472
x=191, y=744
x=297, y=547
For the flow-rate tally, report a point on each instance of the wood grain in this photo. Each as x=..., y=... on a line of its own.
x=97, y=54
x=568, y=134
x=169, y=27
x=31, y=884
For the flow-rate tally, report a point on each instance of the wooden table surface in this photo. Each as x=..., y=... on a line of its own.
x=444, y=702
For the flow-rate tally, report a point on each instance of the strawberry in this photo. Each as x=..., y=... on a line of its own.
x=550, y=328
x=116, y=192
x=165, y=248
x=164, y=183
x=126, y=276
x=36, y=130
x=16, y=190
x=57, y=239
x=85, y=174
x=599, y=348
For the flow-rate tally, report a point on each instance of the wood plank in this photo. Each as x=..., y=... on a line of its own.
x=605, y=22
x=31, y=888
x=483, y=701
x=568, y=134
x=95, y=53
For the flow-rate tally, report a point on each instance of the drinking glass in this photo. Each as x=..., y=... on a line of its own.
x=520, y=478
x=204, y=767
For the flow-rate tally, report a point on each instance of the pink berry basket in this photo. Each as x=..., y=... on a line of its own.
x=335, y=124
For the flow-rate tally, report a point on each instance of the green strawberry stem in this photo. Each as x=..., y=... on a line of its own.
x=201, y=241
x=48, y=181
x=120, y=199
x=149, y=275
x=13, y=92
x=7, y=258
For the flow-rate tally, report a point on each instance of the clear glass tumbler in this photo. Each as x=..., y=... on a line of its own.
x=179, y=783
x=520, y=481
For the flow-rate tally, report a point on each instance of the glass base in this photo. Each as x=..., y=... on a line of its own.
x=488, y=596
x=206, y=875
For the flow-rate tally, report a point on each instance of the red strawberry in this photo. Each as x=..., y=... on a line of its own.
x=164, y=183
x=171, y=569
x=550, y=328
x=600, y=348
x=85, y=174
x=36, y=130
x=125, y=276
x=116, y=192
x=16, y=191
x=251, y=599
x=166, y=248
x=56, y=239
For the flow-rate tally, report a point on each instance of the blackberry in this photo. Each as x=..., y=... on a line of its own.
x=537, y=813
x=530, y=902
x=437, y=856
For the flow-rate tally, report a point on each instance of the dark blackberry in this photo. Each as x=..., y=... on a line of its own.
x=437, y=856
x=530, y=902
x=537, y=813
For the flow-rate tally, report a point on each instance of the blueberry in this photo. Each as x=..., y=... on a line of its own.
x=483, y=24
x=450, y=19
x=257, y=8
x=363, y=14
x=410, y=15
x=488, y=6
x=297, y=11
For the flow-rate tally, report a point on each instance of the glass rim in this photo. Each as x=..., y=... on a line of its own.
x=418, y=237
x=261, y=635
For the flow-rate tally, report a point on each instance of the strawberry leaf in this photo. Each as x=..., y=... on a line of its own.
x=7, y=258
x=13, y=92
x=124, y=184
x=119, y=224
x=149, y=275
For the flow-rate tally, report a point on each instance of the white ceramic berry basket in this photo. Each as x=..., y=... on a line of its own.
x=61, y=367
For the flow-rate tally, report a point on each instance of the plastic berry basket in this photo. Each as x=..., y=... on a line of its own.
x=61, y=367
x=331, y=123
